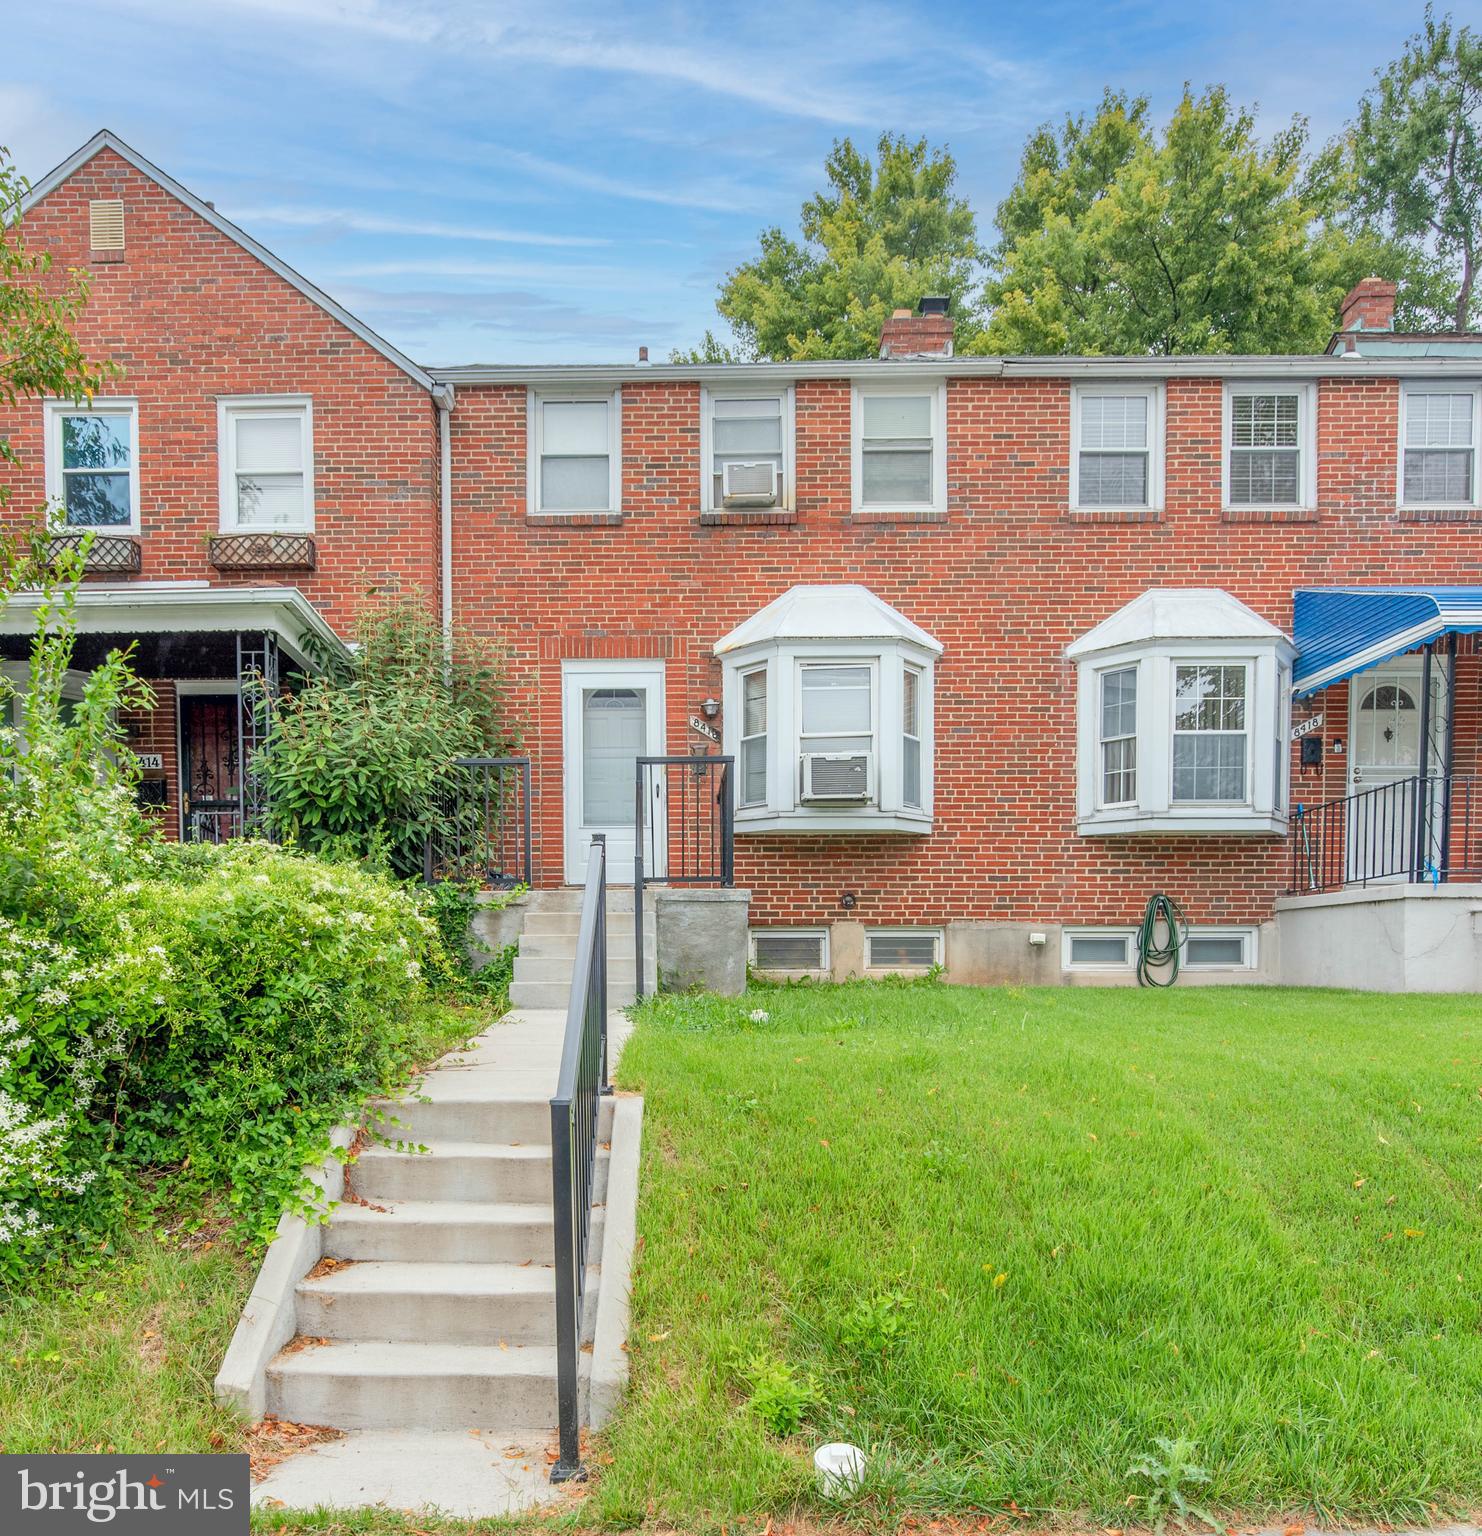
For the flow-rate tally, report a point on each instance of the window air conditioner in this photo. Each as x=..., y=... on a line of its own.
x=748, y=484
x=838, y=775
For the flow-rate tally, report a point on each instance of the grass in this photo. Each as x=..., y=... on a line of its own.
x=1018, y=1237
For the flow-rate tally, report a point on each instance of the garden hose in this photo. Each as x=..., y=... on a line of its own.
x=1151, y=954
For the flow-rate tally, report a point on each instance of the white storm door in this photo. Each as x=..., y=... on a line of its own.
x=612, y=713
x=1383, y=749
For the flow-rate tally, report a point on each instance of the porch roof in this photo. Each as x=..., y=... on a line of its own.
x=1343, y=630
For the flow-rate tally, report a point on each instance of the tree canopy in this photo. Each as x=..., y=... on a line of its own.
x=881, y=235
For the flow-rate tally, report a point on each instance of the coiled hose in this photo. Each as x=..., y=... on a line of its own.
x=1153, y=955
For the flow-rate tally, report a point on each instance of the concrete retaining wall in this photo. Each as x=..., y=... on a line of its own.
x=702, y=938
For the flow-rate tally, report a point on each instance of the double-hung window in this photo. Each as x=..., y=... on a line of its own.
x=754, y=737
x=1438, y=436
x=747, y=450
x=911, y=737
x=1119, y=736
x=1116, y=448
x=837, y=707
x=900, y=458
x=1209, y=731
x=1269, y=453
x=574, y=453
x=92, y=464
x=266, y=447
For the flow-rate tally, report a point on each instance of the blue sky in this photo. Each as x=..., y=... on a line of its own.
x=525, y=182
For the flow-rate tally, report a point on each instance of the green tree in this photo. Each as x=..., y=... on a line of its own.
x=1118, y=239
x=39, y=355
x=1417, y=161
x=881, y=235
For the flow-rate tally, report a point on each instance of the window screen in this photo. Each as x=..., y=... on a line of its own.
x=754, y=737
x=773, y=950
x=903, y=949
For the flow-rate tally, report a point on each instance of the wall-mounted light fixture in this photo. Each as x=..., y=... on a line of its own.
x=849, y=901
x=710, y=708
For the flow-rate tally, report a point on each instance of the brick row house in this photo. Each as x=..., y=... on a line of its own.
x=999, y=647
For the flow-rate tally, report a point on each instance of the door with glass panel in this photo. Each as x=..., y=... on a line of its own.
x=612, y=714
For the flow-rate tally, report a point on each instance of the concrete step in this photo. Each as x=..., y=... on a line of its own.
x=550, y=994
x=454, y=1170
x=443, y=1232
x=620, y=969
x=492, y=1120
x=619, y=924
x=568, y=898
x=444, y=1303
x=380, y=1385
x=536, y=945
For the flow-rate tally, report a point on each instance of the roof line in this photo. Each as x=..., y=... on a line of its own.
x=106, y=139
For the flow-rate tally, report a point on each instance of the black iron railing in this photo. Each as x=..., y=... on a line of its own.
x=684, y=829
x=481, y=831
x=574, y=1110
x=1419, y=829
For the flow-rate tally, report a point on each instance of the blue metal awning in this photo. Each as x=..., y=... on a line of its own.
x=1342, y=630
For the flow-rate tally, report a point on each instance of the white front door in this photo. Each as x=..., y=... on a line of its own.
x=612, y=713
x=1384, y=748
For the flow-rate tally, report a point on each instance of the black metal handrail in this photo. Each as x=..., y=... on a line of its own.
x=1418, y=829
x=482, y=828
x=574, y=1110
x=684, y=826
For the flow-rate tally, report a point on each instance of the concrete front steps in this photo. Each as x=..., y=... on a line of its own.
x=547, y=949
x=433, y=1307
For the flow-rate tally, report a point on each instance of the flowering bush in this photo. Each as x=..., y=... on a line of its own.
x=209, y=1011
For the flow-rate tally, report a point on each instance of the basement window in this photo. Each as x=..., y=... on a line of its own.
x=790, y=949
x=1220, y=949
x=1097, y=949
x=902, y=949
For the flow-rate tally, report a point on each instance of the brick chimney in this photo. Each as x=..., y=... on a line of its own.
x=927, y=333
x=1370, y=306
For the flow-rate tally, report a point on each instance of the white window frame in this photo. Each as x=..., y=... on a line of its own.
x=1439, y=387
x=936, y=392
x=935, y=934
x=1128, y=936
x=1243, y=664
x=53, y=412
x=870, y=664
x=1157, y=430
x=228, y=409
x=1306, y=392
x=821, y=933
x=613, y=400
x=1249, y=941
x=787, y=396
x=1102, y=673
x=764, y=736
x=910, y=669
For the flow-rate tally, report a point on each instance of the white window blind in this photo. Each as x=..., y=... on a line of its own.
x=745, y=432
x=268, y=475
x=575, y=455
x=1440, y=447
x=896, y=450
x=1265, y=449
x=1115, y=443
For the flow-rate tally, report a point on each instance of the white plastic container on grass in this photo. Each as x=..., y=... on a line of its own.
x=840, y=1467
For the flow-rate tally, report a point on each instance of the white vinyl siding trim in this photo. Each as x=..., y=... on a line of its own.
x=1097, y=949
x=265, y=452
x=898, y=447
x=92, y=464
x=790, y=950
x=574, y=452
x=1439, y=427
x=902, y=949
x=1270, y=445
x=1116, y=447
x=716, y=446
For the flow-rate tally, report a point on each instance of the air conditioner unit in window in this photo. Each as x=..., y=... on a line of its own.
x=838, y=776
x=748, y=484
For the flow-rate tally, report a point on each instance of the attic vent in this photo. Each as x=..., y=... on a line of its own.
x=105, y=224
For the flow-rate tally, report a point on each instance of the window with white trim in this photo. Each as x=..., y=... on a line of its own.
x=902, y=949
x=789, y=949
x=92, y=464
x=1183, y=718
x=1096, y=949
x=1269, y=453
x=266, y=447
x=746, y=450
x=1220, y=949
x=1438, y=446
x=753, y=756
x=911, y=737
x=899, y=448
x=575, y=452
x=1116, y=447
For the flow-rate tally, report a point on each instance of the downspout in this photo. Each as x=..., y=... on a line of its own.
x=443, y=397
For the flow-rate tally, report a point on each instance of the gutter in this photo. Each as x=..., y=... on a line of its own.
x=443, y=397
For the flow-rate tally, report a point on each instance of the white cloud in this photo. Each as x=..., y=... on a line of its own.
x=38, y=133
x=330, y=220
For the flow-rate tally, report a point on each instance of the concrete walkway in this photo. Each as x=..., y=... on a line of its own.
x=478, y=1470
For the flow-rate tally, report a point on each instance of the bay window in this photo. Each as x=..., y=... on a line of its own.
x=574, y=453
x=899, y=447
x=1180, y=692
x=828, y=711
x=92, y=464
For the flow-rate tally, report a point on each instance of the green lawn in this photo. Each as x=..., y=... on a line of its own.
x=1017, y=1236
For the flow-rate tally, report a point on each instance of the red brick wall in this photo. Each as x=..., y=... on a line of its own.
x=1004, y=581
x=190, y=315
